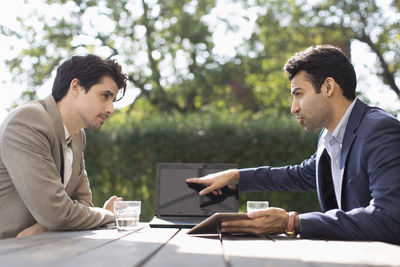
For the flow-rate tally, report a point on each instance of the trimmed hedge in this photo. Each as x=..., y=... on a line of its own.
x=121, y=158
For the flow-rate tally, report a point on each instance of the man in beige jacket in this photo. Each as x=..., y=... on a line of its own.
x=43, y=182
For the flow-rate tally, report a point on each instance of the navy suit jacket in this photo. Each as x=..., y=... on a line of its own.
x=370, y=191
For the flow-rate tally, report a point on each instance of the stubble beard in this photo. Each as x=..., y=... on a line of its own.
x=317, y=121
x=93, y=125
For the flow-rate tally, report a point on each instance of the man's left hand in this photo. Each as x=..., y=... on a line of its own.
x=34, y=229
x=261, y=223
x=109, y=204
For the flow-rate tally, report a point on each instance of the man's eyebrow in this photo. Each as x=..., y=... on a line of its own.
x=295, y=89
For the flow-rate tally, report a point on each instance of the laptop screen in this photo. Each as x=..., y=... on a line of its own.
x=175, y=197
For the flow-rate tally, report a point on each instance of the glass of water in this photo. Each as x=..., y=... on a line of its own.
x=127, y=215
x=257, y=205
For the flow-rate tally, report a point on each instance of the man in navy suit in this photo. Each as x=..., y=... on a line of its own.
x=355, y=170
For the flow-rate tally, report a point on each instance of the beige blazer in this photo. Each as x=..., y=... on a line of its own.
x=32, y=144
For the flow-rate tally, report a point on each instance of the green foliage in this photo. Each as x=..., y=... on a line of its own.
x=167, y=47
x=372, y=22
x=121, y=158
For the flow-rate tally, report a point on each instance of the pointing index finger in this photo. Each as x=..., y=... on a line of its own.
x=192, y=180
x=205, y=191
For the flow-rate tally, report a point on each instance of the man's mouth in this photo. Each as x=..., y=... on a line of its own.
x=300, y=119
x=103, y=118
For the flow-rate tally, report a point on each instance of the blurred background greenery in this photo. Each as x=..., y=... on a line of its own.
x=190, y=99
x=121, y=158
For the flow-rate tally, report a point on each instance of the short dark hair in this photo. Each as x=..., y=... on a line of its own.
x=88, y=70
x=321, y=62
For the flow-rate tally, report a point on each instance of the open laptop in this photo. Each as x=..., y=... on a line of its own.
x=178, y=204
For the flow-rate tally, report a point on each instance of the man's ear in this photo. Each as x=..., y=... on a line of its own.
x=330, y=86
x=75, y=87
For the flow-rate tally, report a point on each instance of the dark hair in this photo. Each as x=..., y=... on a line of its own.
x=321, y=62
x=88, y=70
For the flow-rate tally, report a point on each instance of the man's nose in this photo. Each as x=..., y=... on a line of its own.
x=110, y=109
x=295, y=108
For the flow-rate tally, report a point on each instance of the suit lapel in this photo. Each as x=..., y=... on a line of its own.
x=350, y=135
x=352, y=125
x=52, y=109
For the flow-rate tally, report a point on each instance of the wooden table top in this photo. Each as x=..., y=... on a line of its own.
x=173, y=247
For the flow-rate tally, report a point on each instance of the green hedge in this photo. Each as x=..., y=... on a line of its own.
x=121, y=158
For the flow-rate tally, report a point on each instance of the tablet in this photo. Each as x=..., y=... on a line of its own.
x=212, y=223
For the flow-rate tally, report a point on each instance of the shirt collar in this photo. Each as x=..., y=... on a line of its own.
x=68, y=138
x=338, y=133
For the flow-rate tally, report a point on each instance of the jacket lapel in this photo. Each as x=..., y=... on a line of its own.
x=350, y=134
x=352, y=125
x=52, y=110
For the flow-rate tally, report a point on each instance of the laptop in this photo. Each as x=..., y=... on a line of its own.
x=178, y=204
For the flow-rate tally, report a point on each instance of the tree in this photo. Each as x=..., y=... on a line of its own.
x=366, y=21
x=338, y=22
x=167, y=46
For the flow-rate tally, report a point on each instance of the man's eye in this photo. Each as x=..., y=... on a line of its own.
x=105, y=96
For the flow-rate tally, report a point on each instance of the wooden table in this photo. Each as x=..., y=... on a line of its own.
x=173, y=247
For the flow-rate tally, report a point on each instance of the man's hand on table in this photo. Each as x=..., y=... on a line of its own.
x=109, y=204
x=34, y=229
x=261, y=223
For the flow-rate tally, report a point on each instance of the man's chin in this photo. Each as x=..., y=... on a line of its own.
x=94, y=127
x=311, y=129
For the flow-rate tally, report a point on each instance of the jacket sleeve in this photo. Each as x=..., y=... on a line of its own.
x=289, y=178
x=27, y=154
x=377, y=160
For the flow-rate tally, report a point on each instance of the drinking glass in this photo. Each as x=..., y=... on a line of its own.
x=257, y=205
x=127, y=215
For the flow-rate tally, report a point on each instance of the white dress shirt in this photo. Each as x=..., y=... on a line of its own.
x=333, y=144
x=68, y=157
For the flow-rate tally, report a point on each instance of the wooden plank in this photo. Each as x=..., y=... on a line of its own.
x=46, y=248
x=258, y=251
x=343, y=253
x=129, y=250
x=171, y=247
x=187, y=250
x=13, y=245
x=283, y=251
